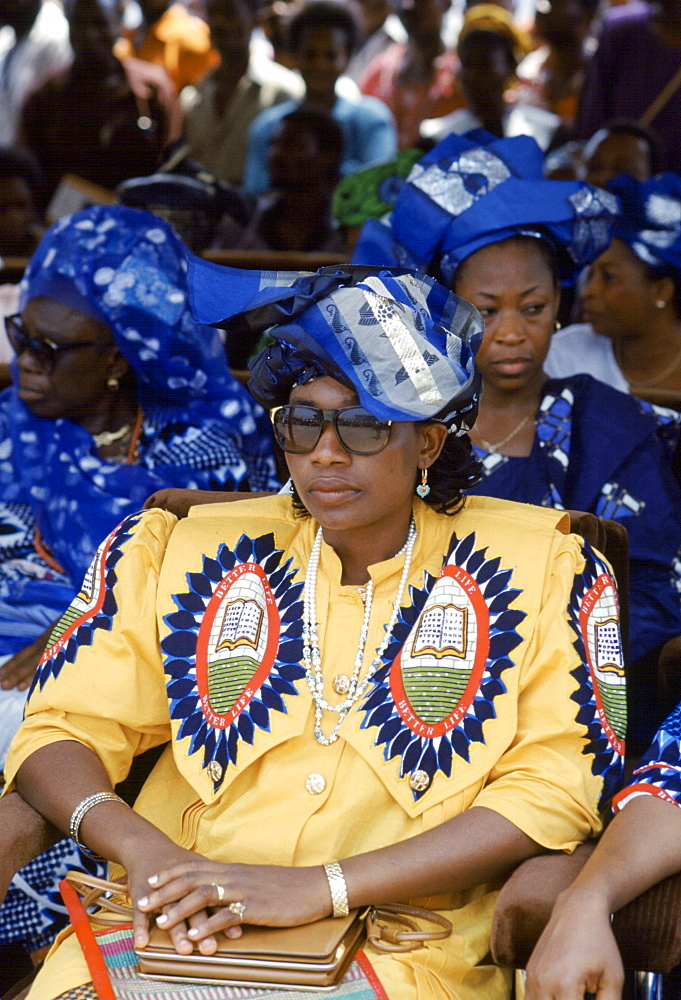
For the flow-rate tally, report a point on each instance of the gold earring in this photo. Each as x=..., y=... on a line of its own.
x=112, y=383
x=660, y=304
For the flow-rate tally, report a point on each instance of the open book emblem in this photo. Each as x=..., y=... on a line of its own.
x=241, y=625
x=608, y=651
x=442, y=631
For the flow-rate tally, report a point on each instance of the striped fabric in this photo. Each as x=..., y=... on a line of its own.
x=359, y=983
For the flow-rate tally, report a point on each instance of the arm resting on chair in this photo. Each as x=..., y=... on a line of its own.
x=24, y=834
x=577, y=952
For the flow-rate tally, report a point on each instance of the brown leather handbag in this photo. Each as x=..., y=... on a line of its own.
x=312, y=956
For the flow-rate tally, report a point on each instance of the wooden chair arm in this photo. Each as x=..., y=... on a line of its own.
x=647, y=930
x=178, y=501
x=526, y=900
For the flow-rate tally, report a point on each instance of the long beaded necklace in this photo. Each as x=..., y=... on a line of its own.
x=312, y=660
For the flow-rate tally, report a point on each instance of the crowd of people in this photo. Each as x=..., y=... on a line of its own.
x=498, y=344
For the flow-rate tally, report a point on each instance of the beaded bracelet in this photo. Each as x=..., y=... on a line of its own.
x=82, y=809
x=338, y=889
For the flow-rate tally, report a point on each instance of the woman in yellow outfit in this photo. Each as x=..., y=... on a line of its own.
x=370, y=695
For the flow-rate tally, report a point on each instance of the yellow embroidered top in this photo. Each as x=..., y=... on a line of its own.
x=501, y=687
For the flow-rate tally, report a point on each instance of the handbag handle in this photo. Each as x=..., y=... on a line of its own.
x=94, y=891
x=407, y=936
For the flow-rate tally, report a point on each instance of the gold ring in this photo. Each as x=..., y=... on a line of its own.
x=238, y=909
x=220, y=889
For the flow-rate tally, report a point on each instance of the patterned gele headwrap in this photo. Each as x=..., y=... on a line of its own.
x=473, y=190
x=651, y=218
x=402, y=341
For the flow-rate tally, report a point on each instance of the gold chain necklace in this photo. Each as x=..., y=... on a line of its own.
x=494, y=448
x=660, y=377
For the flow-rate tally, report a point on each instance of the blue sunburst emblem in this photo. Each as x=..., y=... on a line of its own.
x=443, y=668
x=601, y=695
x=233, y=649
x=93, y=607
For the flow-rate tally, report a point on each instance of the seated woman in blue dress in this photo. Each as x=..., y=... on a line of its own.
x=117, y=392
x=505, y=239
x=577, y=952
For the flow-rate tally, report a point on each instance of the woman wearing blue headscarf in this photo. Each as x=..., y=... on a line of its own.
x=117, y=392
x=370, y=690
x=631, y=298
x=505, y=239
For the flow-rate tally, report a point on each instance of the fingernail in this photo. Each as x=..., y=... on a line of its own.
x=162, y=919
x=152, y=880
x=144, y=901
x=139, y=941
x=193, y=933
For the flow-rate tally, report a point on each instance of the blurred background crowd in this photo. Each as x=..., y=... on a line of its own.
x=196, y=97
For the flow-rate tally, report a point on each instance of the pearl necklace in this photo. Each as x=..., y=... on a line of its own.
x=312, y=660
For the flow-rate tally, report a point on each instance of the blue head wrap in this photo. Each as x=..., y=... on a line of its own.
x=473, y=190
x=651, y=218
x=127, y=268
x=402, y=341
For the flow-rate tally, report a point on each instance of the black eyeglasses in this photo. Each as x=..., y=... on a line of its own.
x=298, y=428
x=45, y=351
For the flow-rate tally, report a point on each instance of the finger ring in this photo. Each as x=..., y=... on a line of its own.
x=238, y=909
x=220, y=889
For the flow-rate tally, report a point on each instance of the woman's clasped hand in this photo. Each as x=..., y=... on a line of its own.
x=198, y=894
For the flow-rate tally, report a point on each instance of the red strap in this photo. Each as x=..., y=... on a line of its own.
x=88, y=942
x=369, y=971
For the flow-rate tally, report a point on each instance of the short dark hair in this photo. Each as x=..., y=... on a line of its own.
x=629, y=126
x=18, y=163
x=324, y=14
x=493, y=39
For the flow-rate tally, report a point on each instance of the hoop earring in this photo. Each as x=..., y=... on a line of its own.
x=112, y=383
x=423, y=489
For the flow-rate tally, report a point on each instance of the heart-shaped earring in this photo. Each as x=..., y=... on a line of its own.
x=423, y=489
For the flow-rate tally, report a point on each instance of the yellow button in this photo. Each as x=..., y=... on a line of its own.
x=419, y=780
x=315, y=783
x=214, y=770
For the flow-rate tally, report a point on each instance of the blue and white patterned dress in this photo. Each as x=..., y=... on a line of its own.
x=200, y=429
x=602, y=451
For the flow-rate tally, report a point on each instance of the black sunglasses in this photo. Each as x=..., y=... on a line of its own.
x=298, y=428
x=45, y=351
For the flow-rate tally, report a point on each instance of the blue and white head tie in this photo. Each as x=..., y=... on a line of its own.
x=400, y=340
x=651, y=218
x=127, y=268
x=473, y=190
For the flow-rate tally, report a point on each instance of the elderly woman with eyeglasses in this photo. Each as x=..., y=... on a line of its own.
x=117, y=392
x=371, y=689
